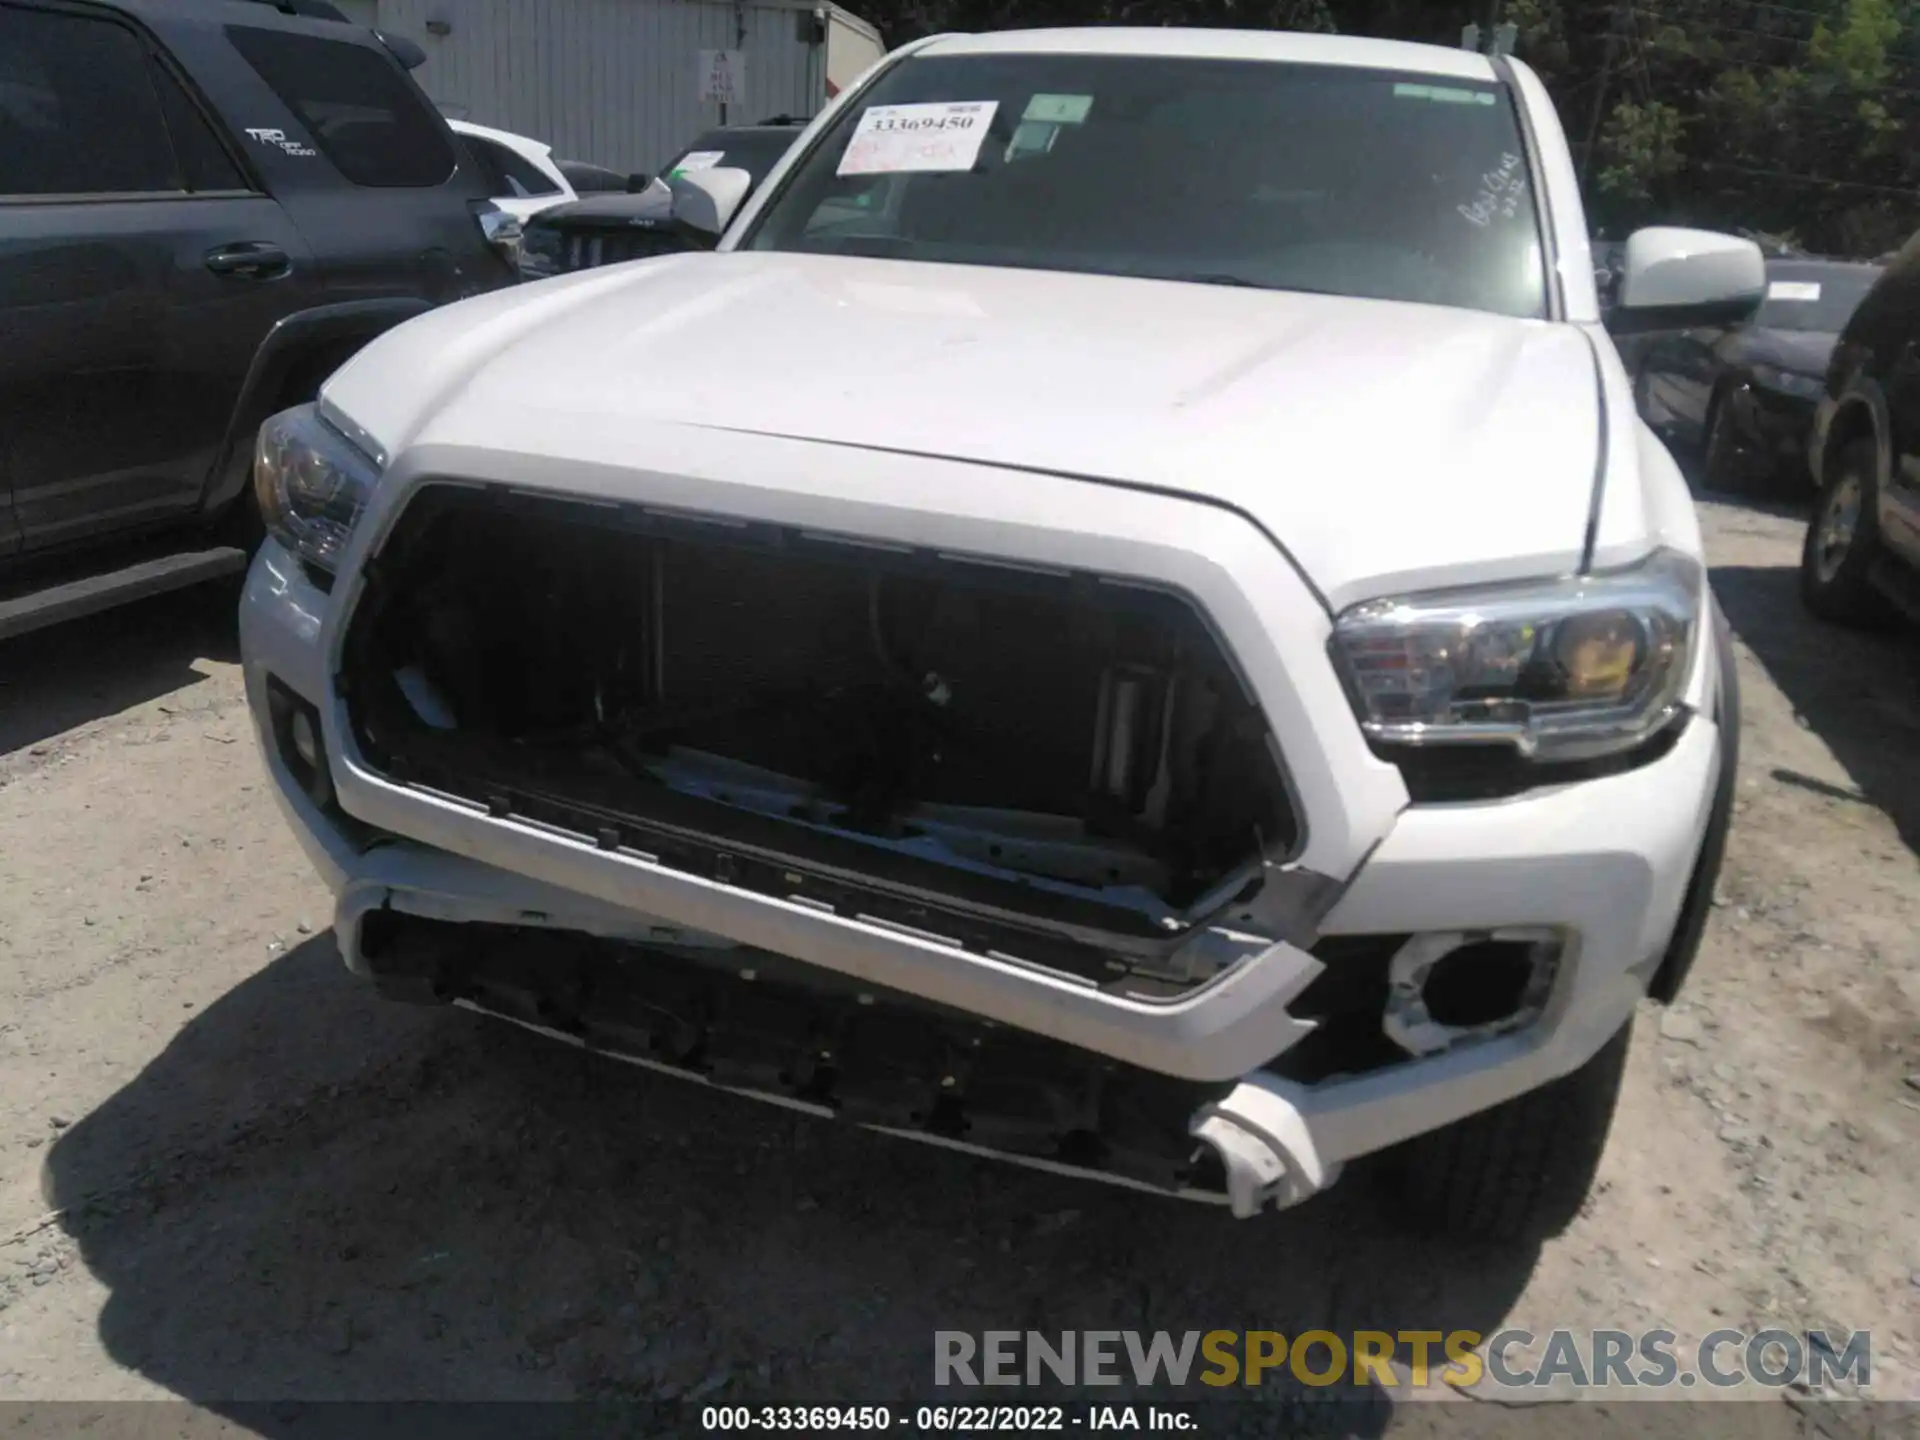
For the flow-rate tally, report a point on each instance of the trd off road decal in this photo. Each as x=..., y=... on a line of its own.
x=278, y=138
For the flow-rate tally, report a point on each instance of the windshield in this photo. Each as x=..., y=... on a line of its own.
x=1288, y=177
x=1814, y=297
x=754, y=151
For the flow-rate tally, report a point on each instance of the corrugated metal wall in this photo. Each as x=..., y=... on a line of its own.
x=614, y=82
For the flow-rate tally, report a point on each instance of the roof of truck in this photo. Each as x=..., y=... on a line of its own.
x=1199, y=44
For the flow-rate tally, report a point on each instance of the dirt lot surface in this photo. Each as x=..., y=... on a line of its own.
x=227, y=1173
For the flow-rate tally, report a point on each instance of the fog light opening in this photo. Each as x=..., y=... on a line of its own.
x=306, y=744
x=296, y=738
x=1481, y=983
x=1451, y=987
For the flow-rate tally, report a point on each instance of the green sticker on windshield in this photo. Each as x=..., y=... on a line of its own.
x=1058, y=109
x=1030, y=137
x=1446, y=94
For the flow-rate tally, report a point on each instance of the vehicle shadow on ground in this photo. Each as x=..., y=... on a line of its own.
x=1792, y=503
x=1859, y=691
x=55, y=679
x=463, y=1210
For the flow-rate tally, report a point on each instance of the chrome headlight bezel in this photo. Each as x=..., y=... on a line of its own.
x=1490, y=665
x=312, y=484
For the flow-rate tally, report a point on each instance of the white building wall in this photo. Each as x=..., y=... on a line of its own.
x=614, y=82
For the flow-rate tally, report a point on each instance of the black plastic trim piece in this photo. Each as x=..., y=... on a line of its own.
x=36, y=609
x=1450, y=774
x=1715, y=315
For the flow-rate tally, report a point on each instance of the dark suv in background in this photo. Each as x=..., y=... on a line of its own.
x=205, y=207
x=1861, y=562
x=1742, y=398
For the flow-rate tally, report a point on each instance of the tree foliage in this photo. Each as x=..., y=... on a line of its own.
x=1792, y=118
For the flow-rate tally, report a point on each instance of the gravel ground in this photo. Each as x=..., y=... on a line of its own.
x=228, y=1174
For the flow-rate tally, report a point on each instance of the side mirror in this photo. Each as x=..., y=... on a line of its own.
x=638, y=182
x=705, y=200
x=1675, y=279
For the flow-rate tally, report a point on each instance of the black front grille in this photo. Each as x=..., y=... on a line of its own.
x=587, y=249
x=1442, y=774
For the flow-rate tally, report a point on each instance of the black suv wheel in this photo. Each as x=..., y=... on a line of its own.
x=1843, y=540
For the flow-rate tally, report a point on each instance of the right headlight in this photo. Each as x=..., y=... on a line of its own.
x=312, y=483
x=1559, y=670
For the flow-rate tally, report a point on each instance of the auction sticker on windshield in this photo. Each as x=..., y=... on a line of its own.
x=945, y=135
x=1794, y=290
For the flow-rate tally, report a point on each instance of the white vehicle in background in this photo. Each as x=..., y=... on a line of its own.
x=521, y=171
x=1193, y=694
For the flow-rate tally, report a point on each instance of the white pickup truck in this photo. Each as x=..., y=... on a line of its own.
x=1198, y=676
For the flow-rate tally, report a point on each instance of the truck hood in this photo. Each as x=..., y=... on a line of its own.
x=1385, y=445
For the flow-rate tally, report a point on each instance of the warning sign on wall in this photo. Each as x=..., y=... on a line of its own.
x=723, y=76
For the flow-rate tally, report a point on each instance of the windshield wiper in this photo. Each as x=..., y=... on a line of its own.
x=1221, y=277
x=1212, y=277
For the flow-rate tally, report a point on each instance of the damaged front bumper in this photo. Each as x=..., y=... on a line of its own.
x=1311, y=1046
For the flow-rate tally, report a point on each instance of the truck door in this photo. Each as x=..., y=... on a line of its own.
x=139, y=270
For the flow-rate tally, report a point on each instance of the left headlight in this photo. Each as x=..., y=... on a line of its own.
x=1560, y=670
x=312, y=483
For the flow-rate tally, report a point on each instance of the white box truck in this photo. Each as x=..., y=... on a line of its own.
x=626, y=85
x=852, y=45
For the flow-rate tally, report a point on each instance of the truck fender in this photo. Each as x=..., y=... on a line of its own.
x=302, y=338
x=1685, y=944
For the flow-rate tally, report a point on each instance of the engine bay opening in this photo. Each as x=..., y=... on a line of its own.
x=821, y=717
